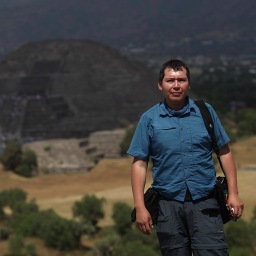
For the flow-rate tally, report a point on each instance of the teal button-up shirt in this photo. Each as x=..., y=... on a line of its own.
x=180, y=148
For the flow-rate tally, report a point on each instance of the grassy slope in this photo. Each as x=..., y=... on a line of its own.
x=111, y=179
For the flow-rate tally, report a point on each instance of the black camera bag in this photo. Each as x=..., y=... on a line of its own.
x=151, y=203
x=221, y=186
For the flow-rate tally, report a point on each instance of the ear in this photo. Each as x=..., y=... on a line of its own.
x=160, y=86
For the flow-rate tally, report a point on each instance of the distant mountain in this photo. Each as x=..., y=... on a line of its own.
x=70, y=88
x=149, y=27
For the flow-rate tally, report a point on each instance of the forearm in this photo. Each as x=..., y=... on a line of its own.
x=138, y=180
x=229, y=169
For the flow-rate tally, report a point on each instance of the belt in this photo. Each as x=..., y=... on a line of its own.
x=188, y=197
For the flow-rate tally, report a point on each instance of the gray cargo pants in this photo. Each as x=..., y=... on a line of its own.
x=190, y=227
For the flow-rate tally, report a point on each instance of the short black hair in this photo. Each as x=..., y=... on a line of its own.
x=175, y=64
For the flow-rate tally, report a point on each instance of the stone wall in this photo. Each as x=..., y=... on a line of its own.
x=76, y=155
x=107, y=142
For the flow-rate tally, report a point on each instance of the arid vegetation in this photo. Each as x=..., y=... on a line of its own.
x=110, y=180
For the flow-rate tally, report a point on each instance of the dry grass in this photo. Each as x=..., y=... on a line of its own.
x=111, y=179
x=245, y=152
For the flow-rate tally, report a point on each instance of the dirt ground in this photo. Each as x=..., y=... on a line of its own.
x=111, y=179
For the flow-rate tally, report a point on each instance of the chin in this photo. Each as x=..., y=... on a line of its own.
x=177, y=98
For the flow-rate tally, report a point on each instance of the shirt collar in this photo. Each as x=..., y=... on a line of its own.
x=164, y=111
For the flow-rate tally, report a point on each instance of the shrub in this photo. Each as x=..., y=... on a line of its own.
x=11, y=156
x=246, y=119
x=29, y=158
x=12, y=197
x=4, y=233
x=16, y=245
x=26, y=219
x=89, y=209
x=59, y=233
x=124, y=145
x=121, y=216
x=30, y=250
x=24, y=170
x=106, y=246
x=28, y=163
x=238, y=234
x=151, y=241
x=134, y=248
x=23, y=163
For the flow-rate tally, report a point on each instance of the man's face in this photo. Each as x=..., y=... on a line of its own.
x=175, y=86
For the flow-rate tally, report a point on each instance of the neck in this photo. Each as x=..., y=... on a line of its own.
x=176, y=105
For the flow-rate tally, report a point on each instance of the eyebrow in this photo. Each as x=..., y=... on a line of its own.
x=178, y=78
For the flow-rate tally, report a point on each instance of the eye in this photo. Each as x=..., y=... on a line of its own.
x=182, y=80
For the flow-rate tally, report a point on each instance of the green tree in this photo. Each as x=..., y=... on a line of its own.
x=13, y=158
x=28, y=163
x=238, y=235
x=238, y=251
x=134, y=248
x=134, y=235
x=4, y=233
x=246, y=120
x=220, y=87
x=121, y=216
x=29, y=158
x=30, y=221
x=12, y=197
x=16, y=245
x=24, y=170
x=124, y=145
x=30, y=250
x=59, y=233
x=106, y=245
x=89, y=209
x=12, y=155
x=25, y=219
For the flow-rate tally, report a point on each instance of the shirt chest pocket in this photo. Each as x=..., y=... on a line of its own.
x=164, y=137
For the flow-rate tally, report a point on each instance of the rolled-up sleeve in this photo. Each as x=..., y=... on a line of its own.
x=140, y=144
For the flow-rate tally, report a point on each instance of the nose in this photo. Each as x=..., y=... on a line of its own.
x=176, y=84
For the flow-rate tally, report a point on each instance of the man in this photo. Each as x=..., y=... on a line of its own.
x=173, y=135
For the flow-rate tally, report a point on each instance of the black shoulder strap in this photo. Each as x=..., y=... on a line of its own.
x=207, y=117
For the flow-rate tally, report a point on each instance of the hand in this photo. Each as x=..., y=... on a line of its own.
x=144, y=221
x=236, y=206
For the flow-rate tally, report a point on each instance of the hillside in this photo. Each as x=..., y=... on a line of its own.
x=111, y=179
x=70, y=88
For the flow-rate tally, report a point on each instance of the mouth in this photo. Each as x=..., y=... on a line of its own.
x=176, y=94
